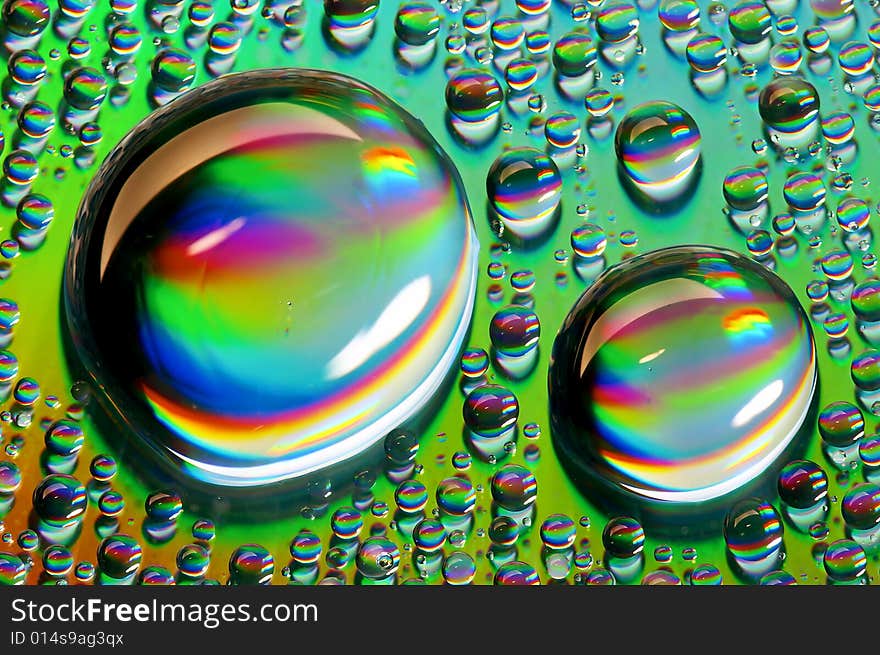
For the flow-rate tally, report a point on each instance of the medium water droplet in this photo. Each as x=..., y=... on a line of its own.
x=658, y=146
x=742, y=373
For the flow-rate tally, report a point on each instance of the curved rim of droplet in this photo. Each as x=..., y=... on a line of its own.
x=604, y=491
x=82, y=269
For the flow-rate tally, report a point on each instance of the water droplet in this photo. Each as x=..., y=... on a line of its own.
x=60, y=500
x=163, y=505
x=753, y=534
x=26, y=17
x=12, y=570
x=856, y=59
x=574, y=55
x=156, y=576
x=514, y=487
x=516, y=573
x=377, y=558
x=777, y=578
x=745, y=188
x=57, y=560
x=679, y=15
x=251, y=564
x=411, y=496
x=459, y=568
x=750, y=22
x=623, y=537
x=514, y=331
x=706, y=575
x=474, y=96
x=491, y=411
x=658, y=146
x=742, y=373
x=65, y=438
x=429, y=535
x=520, y=74
x=706, y=53
x=853, y=214
x=861, y=507
x=804, y=192
x=456, y=496
x=119, y=557
x=841, y=424
x=524, y=188
x=802, y=484
x=111, y=503
x=562, y=130
x=845, y=561
x=214, y=241
x=617, y=21
x=558, y=532
x=790, y=107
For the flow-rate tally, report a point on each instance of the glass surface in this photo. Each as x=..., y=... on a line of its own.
x=584, y=135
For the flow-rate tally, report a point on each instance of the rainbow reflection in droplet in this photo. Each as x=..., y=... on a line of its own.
x=681, y=375
x=271, y=274
x=658, y=146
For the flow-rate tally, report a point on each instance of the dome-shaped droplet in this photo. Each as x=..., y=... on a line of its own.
x=193, y=560
x=516, y=573
x=845, y=561
x=745, y=188
x=474, y=96
x=165, y=505
x=750, y=22
x=514, y=330
x=65, y=438
x=26, y=17
x=803, y=192
x=378, y=558
x=524, y=187
x=623, y=537
x=853, y=214
x=861, y=507
x=658, y=146
x=865, y=299
x=617, y=21
x=417, y=23
x=574, y=55
x=60, y=500
x=514, y=487
x=215, y=254
x=13, y=572
x=490, y=410
x=802, y=484
x=841, y=424
x=119, y=556
x=678, y=15
x=706, y=53
x=85, y=88
x=753, y=534
x=790, y=106
x=456, y=496
x=681, y=375
x=558, y=532
x=251, y=564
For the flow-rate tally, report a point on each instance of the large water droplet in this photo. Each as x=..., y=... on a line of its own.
x=681, y=376
x=271, y=274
